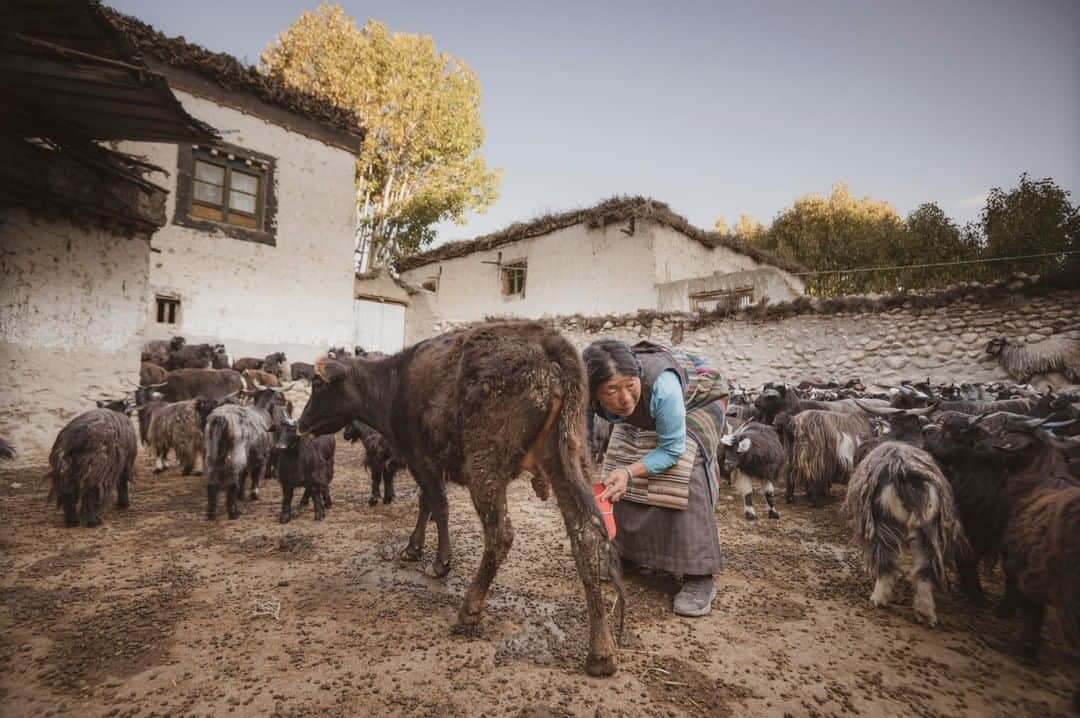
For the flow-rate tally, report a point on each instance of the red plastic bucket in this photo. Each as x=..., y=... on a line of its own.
x=606, y=510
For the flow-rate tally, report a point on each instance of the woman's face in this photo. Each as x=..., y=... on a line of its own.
x=620, y=394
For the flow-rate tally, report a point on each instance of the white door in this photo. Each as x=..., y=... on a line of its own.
x=380, y=326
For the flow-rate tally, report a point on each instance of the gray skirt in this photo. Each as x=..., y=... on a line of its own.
x=680, y=542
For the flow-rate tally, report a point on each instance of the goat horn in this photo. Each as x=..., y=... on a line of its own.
x=153, y=386
x=877, y=410
x=925, y=410
x=1058, y=424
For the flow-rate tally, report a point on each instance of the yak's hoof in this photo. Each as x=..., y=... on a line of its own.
x=199, y=472
x=285, y=518
x=71, y=524
x=749, y=516
x=210, y=516
x=388, y=499
x=373, y=501
x=121, y=505
x=440, y=568
x=158, y=471
x=186, y=471
x=774, y=514
x=600, y=665
x=92, y=523
x=411, y=554
x=233, y=515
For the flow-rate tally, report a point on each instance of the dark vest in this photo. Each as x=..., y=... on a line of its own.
x=655, y=360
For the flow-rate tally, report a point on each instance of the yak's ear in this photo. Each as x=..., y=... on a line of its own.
x=331, y=370
x=744, y=446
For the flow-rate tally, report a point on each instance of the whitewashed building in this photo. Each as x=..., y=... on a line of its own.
x=622, y=256
x=258, y=250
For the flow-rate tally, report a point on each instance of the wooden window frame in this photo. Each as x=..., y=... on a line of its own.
x=740, y=298
x=229, y=167
x=519, y=267
x=166, y=309
x=190, y=212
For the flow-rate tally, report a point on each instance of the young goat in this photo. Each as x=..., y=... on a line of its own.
x=754, y=452
x=380, y=458
x=307, y=462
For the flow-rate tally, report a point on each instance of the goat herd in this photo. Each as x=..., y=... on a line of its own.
x=954, y=474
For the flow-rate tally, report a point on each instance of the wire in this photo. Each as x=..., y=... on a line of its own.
x=937, y=264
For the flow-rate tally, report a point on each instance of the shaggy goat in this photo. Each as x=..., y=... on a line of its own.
x=238, y=443
x=754, y=452
x=93, y=455
x=157, y=351
x=1057, y=354
x=176, y=427
x=184, y=384
x=148, y=402
x=823, y=445
x=479, y=406
x=303, y=462
x=898, y=496
x=150, y=373
x=380, y=459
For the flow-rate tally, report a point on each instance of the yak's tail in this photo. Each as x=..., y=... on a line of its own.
x=569, y=471
x=219, y=444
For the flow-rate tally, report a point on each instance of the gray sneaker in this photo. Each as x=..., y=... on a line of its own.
x=696, y=596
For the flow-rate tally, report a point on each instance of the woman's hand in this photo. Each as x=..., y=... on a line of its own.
x=616, y=483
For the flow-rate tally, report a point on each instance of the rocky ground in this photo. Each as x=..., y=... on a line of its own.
x=159, y=612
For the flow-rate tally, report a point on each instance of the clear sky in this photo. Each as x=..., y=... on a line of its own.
x=720, y=108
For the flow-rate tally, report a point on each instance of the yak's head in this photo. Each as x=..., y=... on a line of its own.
x=334, y=398
x=146, y=394
x=773, y=399
x=1018, y=433
x=177, y=343
x=996, y=345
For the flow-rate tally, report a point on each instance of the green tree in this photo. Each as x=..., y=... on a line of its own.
x=836, y=233
x=420, y=162
x=1033, y=218
x=933, y=238
x=749, y=229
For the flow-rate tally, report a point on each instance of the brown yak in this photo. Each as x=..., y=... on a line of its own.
x=479, y=406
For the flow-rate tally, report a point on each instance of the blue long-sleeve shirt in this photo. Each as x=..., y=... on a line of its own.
x=669, y=412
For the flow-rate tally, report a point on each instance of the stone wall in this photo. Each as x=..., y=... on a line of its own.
x=945, y=342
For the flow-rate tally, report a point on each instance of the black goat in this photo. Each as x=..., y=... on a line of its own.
x=307, y=462
x=380, y=459
x=754, y=452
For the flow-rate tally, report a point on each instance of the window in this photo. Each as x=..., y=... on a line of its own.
x=226, y=189
x=725, y=298
x=168, y=310
x=513, y=279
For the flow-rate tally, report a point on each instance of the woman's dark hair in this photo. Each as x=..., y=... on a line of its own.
x=606, y=358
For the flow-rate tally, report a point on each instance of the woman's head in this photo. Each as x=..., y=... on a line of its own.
x=614, y=376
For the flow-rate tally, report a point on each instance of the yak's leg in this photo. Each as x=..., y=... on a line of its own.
x=326, y=496
x=1031, y=613
x=415, y=549
x=388, y=494
x=744, y=488
x=376, y=479
x=211, y=500
x=159, y=462
x=490, y=503
x=440, y=511
x=887, y=573
x=286, y=503
x=233, y=493
x=589, y=550
x=90, y=507
x=202, y=461
x=773, y=513
x=923, y=572
x=71, y=509
x=320, y=507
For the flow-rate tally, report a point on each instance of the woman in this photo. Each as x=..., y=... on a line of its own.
x=657, y=472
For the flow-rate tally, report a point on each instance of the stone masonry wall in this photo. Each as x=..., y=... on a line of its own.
x=945, y=343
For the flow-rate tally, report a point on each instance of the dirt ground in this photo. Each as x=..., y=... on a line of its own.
x=159, y=612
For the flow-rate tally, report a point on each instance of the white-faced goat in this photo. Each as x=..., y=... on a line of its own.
x=898, y=498
x=754, y=453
